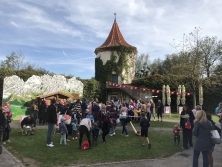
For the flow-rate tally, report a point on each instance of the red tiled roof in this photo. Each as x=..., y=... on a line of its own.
x=114, y=39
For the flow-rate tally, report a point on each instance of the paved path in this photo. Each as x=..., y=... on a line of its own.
x=182, y=159
x=8, y=160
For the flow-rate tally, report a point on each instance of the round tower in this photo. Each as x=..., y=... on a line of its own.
x=115, y=59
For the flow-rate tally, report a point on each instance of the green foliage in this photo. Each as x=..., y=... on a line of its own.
x=157, y=81
x=212, y=87
x=27, y=73
x=103, y=73
x=142, y=65
x=15, y=61
x=91, y=89
x=5, y=72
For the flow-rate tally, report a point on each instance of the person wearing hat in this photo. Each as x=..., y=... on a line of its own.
x=63, y=131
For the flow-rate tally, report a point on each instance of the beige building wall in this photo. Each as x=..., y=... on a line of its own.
x=105, y=56
x=128, y=74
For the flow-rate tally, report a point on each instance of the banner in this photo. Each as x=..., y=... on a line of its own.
x=180, y=109
x=167, y=109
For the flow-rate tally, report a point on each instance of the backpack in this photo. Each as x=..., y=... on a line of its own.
x=85, y=145
x=188, y=125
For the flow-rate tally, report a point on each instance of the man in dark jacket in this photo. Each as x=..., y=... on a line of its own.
x=159, y=108
x=27, y=124
x=95, y=111
x=83, y=107
x=52, y=120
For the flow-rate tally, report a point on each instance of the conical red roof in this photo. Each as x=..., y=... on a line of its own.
x=114, y=39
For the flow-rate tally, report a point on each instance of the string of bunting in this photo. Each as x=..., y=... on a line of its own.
x=144, y=89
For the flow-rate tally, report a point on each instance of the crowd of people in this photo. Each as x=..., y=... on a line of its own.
x=198, y=123
x=94, y=117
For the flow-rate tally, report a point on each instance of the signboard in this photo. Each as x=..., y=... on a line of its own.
x=167, y=109
x=180, y=109
x=148, y=97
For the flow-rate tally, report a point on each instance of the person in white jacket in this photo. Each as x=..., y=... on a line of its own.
x=84, y=127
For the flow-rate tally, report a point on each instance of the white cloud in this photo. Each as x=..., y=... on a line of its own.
x=80, y=26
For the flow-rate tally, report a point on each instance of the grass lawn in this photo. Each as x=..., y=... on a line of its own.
x=171, y=116
x=177, y=117
x=118, y=148
x=157, y=124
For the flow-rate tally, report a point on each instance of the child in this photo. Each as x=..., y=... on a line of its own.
x=79, y=116
x=63, y=131
x=176, y=132
x=144, y=124
x=95, y=133
x=7, y=128
x=89, y=115
x=74, y=130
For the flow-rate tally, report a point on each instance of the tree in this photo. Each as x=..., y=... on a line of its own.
x=211, y=53
x=191, y=55
x=156, y=67
x=15, y=61
x=92, y=89
x=142, y=65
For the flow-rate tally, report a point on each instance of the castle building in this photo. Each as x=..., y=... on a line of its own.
x=115, y=63
x=117, y=49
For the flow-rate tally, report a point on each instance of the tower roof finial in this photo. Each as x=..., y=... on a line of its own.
x=115, y=17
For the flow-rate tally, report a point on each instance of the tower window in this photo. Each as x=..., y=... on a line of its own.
x=115, y=78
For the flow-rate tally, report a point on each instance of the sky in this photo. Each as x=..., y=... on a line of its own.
x=61, y=35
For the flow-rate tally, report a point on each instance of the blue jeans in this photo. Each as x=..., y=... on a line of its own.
x=74, y=133
x=50, y=130
x=112, y=130
x=63, y=137
x=196, y=157
x=123, y=122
